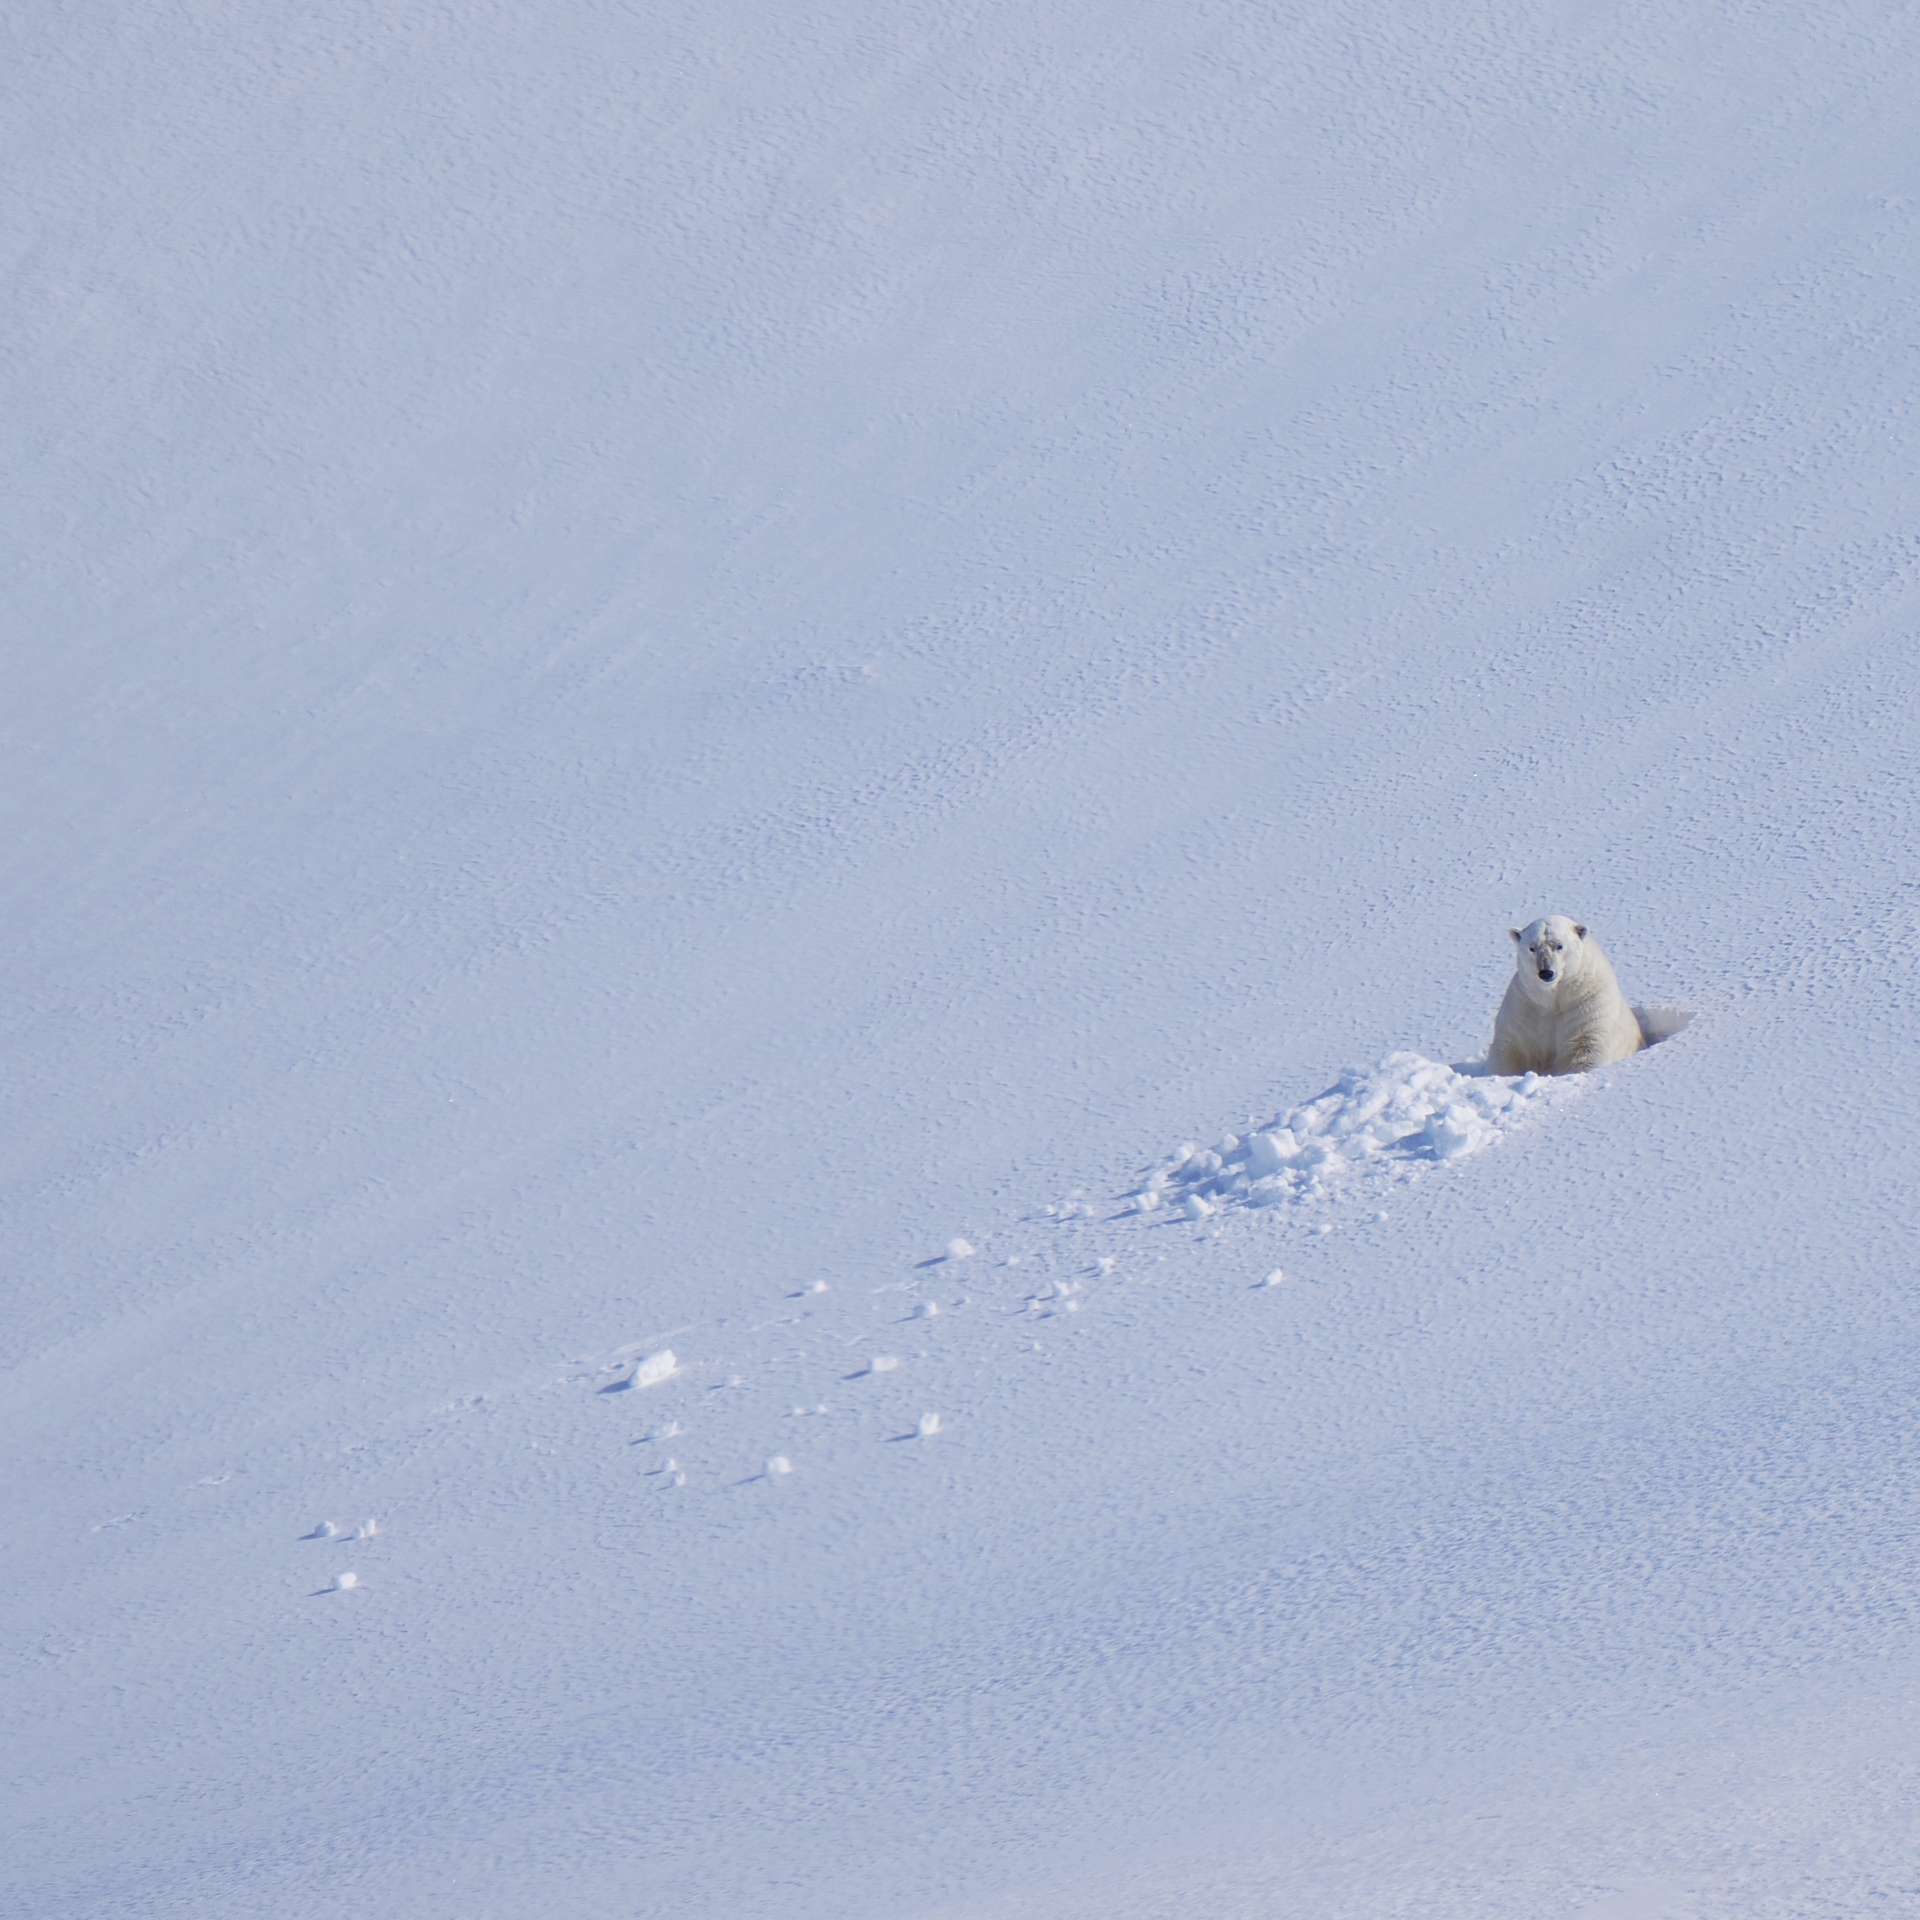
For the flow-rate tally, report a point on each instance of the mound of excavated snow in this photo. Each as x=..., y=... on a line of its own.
x=1382, y=1123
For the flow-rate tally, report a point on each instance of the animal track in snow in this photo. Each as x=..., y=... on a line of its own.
x=1373, y=1127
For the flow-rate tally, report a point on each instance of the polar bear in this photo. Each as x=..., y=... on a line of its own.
x=1564, y=1011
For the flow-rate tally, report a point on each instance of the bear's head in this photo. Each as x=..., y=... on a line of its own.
x=1545, y=953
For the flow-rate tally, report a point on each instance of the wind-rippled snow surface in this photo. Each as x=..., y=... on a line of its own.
x=680, y=679
x=1377, y=1125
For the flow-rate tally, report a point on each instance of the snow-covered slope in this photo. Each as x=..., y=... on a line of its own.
x=663, y=660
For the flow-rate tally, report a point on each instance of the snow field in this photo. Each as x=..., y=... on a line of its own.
x=654, y=652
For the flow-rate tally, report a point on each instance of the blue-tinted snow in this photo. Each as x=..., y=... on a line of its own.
x=657, y=655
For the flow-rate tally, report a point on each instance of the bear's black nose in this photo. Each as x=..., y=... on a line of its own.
x=1546, y=973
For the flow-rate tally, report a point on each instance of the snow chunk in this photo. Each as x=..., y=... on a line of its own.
x=929, y=1425
x=1269, y=1152
x=959, y=1249
x=655, y=1368
x=345, y=1582
x=779, y=1464
x=883, y=1363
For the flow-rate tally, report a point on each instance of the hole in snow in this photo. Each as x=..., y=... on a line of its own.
x=1661, y=1023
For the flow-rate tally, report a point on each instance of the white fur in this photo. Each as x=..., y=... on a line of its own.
x=1577, y=1020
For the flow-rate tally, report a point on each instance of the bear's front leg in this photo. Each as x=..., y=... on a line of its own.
x=1507, y=1057
x=1583, y=1054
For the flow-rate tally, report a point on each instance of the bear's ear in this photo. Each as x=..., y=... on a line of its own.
x=1513, y=934
x=1579, y=933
